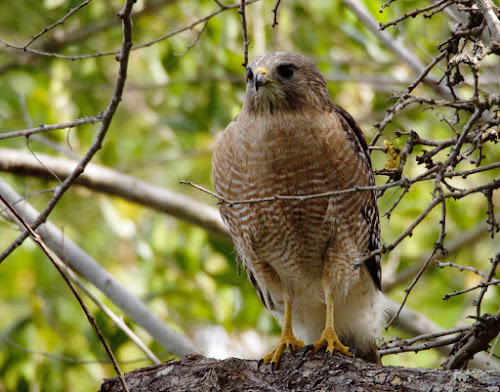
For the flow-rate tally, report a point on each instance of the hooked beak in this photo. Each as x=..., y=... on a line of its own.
x=260, y=78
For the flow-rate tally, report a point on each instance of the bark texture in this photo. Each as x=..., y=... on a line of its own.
x=196, y=373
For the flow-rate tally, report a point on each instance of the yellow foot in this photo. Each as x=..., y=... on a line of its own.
x=287, y=340
x=330, y=340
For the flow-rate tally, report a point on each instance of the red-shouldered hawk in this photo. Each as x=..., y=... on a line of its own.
x=289, y=139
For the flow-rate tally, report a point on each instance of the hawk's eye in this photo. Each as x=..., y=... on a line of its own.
x=286, y=71
x=249, y=74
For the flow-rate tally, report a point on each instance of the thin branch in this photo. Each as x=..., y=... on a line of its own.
x=64, y=358
x=107, y=311
x=412, y=284
x=59, y=22
x=220, y=4
x=462, y=240
x=107, y=116
x=461, y=268
x=37, y=239
x=242, y=12
x=426, y=336
x=483, y=286
x=420, y=347
x=400, y=104
x=489, y=279
x=45, y=128
x=192, y=45
x=414, y=13
x=275, y=12
x=399, y=50
x=93, y=272
x=135, y=47
x=414, y=324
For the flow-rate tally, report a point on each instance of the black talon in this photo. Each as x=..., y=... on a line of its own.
x=307, y=349
x=290, y=348
x=273, y=366
x=261, y=361
x=327, y=355
x=352, y=351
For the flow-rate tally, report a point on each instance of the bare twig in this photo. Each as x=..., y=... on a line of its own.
x=242, y=12
x=135, y=47
x=424, y=346
x=415, y=324
x=483, y=286
x=64, y=358
x=460, y=268
x=489, y=279
x=59, y=22
x=192, y=25
x=426, y=336
x=462, y=240
x=107, y=311
x=414, y=13
x=220, y=4
x=92, y=271
x=400, y=104
x=44, y=128
x=107, y=116
x=407, y=56
x=412, y=284
x=36, y=237
x=275, y=12
x=198, y=36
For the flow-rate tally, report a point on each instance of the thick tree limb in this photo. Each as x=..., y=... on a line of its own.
x=109, y=181
x=90, y=269
x=341, y=374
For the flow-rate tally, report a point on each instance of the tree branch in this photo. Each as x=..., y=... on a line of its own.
x=341, y=374
x=112, y=182
x=415, y=324
x=38, y=240
x=91, y=270
x=45, y=128
x=392, y=44
x=107, y=116
x=491, y=17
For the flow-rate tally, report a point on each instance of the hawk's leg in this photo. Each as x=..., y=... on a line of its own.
x=329, y=338
x=287, y=340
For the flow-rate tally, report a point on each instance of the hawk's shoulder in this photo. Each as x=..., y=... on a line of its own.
x=352, y=128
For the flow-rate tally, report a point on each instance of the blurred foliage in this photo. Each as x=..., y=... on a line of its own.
x=177, y=99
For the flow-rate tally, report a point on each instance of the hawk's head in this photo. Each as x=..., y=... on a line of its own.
x=283, y=81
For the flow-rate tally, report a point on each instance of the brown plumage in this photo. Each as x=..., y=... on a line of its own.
x=290, y=139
